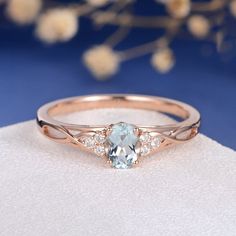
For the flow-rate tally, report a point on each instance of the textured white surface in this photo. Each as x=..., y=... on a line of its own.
x=51, y=189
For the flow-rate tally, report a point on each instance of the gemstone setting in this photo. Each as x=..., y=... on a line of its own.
x=149, y=142
x=95, y=142
x=122, y=145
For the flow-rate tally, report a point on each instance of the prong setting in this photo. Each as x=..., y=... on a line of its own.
x=95, y=142
x=121, y=144
x=136, y=131
x=149, y=142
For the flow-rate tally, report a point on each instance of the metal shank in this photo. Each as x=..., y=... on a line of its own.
x=69, y=133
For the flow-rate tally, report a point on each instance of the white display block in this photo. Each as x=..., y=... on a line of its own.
x=50, y=189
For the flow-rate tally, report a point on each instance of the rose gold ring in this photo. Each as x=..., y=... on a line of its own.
x=121, y=144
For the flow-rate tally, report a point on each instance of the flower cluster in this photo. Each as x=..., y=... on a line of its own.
x=102, y=61
x=23, y=11
x=57, y=25
x=53, y=23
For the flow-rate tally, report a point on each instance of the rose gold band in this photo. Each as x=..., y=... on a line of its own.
x=74, y=133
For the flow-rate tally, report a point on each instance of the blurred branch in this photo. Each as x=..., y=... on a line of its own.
x=58, y=22
x=213, y=5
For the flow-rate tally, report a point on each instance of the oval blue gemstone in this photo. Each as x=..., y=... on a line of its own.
x=122, y=142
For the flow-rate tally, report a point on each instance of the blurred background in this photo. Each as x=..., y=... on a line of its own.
x=180, y=49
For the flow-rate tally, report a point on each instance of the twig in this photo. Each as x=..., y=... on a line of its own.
x=117, y=37
x=135, y=21
x=213, y=5
x=143, y=49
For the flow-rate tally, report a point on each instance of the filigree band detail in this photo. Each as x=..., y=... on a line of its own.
x=150, y=139
x=122, y=144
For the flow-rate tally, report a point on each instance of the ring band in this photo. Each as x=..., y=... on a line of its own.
x=121, y=144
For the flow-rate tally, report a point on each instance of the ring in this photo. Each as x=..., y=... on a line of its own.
x=120, y=144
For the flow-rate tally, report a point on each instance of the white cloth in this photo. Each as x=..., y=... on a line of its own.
x=49, y=189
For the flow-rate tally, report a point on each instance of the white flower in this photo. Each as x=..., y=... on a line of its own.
x=199, y=26
x=97, y=3
x=23, y=11
x=178, y=8
x=163, y=60
x=57, y=25
x=102, y=61
x=232, y=7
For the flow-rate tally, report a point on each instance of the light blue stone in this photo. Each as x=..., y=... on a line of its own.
x=122, y=142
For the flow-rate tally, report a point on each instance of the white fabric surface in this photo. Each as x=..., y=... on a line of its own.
x=51, y=189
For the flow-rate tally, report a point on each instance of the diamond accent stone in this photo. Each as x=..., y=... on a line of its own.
x=155, y=142
x=100, y=150
x=145, y=137
x=148, y=143
x=100, y=138
x=145, y=149
x=95, y=142
x=89, y=142
x=122, y=140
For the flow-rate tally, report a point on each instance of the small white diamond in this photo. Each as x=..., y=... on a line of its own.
x=89, y=142
x=100, y=138
x=100, y=150
x=145, y=137
x=155, y=142
x=145, y=149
